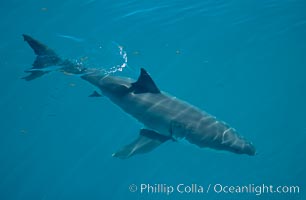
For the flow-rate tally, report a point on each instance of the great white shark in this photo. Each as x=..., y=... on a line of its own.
x=165, y=117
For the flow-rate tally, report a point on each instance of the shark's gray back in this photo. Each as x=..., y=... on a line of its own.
x=173, y=117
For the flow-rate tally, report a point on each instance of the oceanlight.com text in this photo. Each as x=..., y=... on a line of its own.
x=217, y=188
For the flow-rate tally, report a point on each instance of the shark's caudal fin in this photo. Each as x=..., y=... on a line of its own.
x=47, y=60
x=46, y=57
x=146, y=142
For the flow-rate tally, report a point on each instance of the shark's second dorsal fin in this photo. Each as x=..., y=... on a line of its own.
x=144, y=84
x=95, y=94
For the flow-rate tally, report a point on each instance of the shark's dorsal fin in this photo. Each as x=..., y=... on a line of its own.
x=144, y=84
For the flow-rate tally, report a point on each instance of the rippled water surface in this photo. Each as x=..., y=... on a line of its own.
x=241, y=60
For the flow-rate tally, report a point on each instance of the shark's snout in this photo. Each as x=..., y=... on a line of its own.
x=249, y=149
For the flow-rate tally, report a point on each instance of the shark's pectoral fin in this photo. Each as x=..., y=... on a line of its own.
x=146, y=142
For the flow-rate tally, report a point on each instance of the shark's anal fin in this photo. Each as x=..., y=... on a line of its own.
x=144, y=84
x=146, y=142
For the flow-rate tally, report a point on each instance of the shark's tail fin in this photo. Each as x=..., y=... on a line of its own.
x=45, y=60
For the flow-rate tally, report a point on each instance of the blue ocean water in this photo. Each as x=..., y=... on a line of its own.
x=242, y=61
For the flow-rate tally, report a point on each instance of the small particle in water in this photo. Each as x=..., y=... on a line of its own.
x=84, y=58
x=23, y=131
x=220, y=84
x=44, y=9
x=66, y=73
x=72, y=84
x=178, y=51
x=136, y=52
